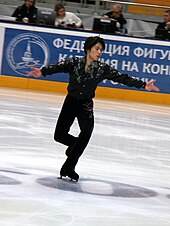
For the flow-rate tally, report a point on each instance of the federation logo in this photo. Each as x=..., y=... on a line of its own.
x=25, y=51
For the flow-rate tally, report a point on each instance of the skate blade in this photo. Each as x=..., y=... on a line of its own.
x=68, y=179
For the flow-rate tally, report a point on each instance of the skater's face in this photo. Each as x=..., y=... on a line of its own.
x=95, y=52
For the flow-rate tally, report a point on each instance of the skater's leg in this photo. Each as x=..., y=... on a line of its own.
x=86, y=123
x=65, y=120
x=69, y=149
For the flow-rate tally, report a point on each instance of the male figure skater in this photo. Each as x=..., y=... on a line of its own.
x=85, y=74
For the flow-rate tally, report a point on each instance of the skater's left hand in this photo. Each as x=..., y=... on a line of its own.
x=150, y=86
x=36, y=72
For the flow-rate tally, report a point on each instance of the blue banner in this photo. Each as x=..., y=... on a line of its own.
x=141, y=58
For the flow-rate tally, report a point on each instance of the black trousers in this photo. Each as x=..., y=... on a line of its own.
x=82, y=110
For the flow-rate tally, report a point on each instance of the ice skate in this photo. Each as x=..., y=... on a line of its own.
x=68, y=172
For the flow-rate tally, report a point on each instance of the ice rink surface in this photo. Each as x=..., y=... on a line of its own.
x=124, y=171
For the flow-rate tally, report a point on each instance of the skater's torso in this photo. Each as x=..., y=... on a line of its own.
x=82, y=84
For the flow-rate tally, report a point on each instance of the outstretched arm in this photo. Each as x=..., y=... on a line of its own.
x=124, y=79
x=150, y=86
x=64, y=66
x=36, y=72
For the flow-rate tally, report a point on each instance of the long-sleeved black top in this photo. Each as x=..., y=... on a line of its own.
x=82, y=85
x=121, y=20
x=162, y=32
x=22, y=11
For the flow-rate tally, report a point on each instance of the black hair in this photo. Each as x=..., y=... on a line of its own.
x=91, y=41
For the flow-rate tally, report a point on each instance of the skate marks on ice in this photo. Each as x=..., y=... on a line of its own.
x=44, y=211
x=97, y=187
x=4, y=180
x=7, y=180
x=28, y=212
x=133, y=191
x=90, y=186
x=37, y=213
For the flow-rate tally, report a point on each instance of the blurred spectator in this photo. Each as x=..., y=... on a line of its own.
x=117, y=14
x=66, y=19
x=26, y=13
x=163, y=29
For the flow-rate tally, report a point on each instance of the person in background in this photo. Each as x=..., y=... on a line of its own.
x=66, y=19
x=85, y=74
x=117, y=14
x=162, y=31
x=27, y=13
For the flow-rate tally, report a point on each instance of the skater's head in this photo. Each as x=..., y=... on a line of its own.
x=94, y=46
x=92, y=41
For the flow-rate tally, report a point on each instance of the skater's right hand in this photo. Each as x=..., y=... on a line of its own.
x=36, y=72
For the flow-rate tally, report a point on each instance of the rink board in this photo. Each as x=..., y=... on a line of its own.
x=25, y=46
x=101, y=92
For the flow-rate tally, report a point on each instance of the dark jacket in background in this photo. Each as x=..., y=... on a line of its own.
x=162, y=32
x=22, y=11
x=122, y=21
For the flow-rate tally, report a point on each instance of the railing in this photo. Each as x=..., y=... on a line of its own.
x=137, y=4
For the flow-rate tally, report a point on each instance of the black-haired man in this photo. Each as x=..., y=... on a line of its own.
x=85, y=74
